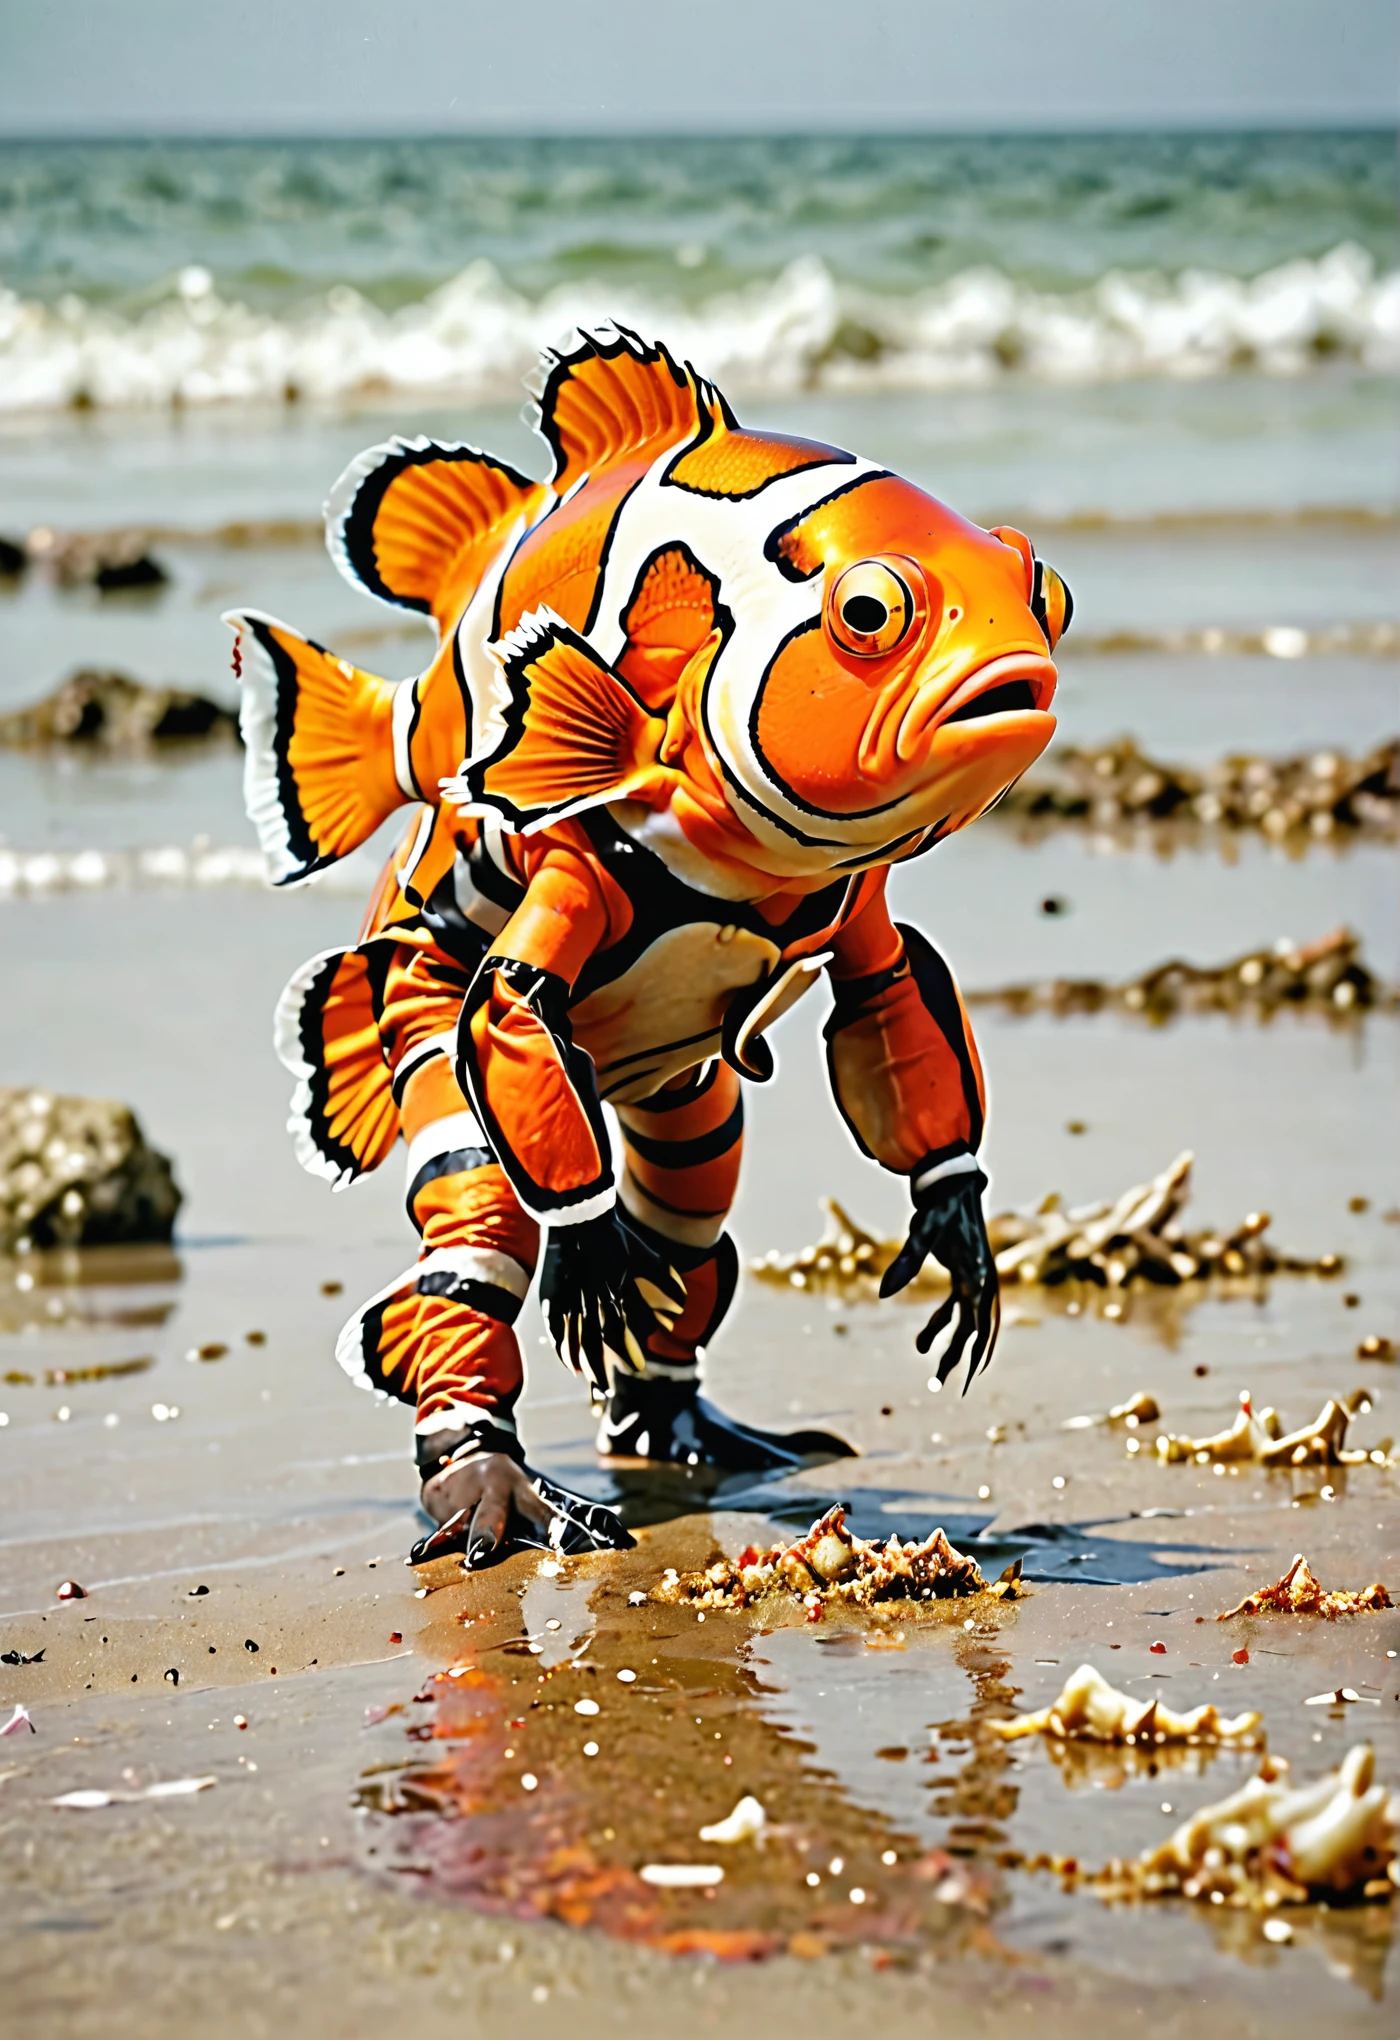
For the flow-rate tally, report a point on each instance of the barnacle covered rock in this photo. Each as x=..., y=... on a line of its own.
x=107, y=711
x=831, y=1566
x=1091, y=1710
x=1273, y=1843
x=78, y=1172
x=1300, y=1592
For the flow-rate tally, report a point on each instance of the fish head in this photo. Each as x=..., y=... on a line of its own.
x=916, y=686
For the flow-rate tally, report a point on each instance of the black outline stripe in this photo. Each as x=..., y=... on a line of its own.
x=822, y=814
x=823, y=456
x=300, y=842
x=650, y=354
x=458, y=1162
x=487, y=1299
x=939, y=994
x=653, y=558
x=687, y=1154
x=772, y=545
x=357, y=520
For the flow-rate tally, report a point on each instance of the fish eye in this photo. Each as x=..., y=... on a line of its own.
x=869, y=609
x=1052, y=605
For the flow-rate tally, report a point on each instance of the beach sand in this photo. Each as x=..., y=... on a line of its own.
x=290, y=1496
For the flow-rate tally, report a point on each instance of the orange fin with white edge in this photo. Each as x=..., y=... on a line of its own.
x=604, y=396
x=416, y=524
x=574, y=734
x=326, y=746
x=344, y=1121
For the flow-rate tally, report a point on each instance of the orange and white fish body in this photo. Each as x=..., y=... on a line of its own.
x=772, y=662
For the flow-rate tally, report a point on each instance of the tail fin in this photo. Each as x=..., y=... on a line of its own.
x=322, y=767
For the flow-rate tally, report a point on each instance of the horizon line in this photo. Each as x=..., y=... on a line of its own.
x=1186, y=128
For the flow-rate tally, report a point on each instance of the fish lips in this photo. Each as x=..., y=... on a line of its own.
x=1015, y=683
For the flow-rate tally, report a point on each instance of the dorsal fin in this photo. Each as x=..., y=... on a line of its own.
x=415, y=524
x=605, y=395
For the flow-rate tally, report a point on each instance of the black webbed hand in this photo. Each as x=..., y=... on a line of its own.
x=948, y=1224
x=594, y=1287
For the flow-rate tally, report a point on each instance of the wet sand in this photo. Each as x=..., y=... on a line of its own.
x=291, y=1497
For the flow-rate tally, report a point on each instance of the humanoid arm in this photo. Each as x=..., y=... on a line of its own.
x=536, y=1096
x=908, y=1083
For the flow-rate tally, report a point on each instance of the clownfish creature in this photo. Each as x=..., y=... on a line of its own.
x=694, y=695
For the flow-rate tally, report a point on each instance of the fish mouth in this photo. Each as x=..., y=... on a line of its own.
x=1012, y=684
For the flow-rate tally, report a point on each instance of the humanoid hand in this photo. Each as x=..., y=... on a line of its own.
x=948, y=1223
x=603, y=1287
x=488, y=1505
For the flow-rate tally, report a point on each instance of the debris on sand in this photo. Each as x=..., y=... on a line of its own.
x=1141, y=1408
x=1273, y=1843
x=107, y=711
x=1326, y=976
x=1300, y=1592
x=1138, y=1238
x=1317, y=795
x=1258, y=1437
x=77, y=1172
x=1089, y=1709
x=746, y=1823
x=830, y=1567
x=89, y=1800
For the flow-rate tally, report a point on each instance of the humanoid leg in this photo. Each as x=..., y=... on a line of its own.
x=682, y=1152
x=441, y=1336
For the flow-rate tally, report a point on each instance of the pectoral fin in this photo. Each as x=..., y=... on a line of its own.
x=574, y=736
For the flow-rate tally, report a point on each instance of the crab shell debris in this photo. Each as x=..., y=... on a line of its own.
x=1273, y=1843
x=1090, y=1710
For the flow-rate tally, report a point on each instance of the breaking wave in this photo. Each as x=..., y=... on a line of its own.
x=475, y=336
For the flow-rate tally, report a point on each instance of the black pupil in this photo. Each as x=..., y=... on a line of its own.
x=866, y=615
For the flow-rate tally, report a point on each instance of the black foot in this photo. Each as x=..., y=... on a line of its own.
x=577, y=1525
x=655, y=1422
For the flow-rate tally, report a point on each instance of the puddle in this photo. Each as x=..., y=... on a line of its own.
x=547, y=1790
x=573, y=1784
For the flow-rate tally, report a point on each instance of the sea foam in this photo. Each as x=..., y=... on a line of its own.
x=474, y=337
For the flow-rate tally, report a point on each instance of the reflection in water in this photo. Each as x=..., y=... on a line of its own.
x=83, y=1288
x=546, y=1789
x=580, y=1742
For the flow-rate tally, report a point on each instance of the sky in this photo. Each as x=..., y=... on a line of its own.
x=338, y=67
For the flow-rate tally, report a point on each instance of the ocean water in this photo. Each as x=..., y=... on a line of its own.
x=164, y=273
